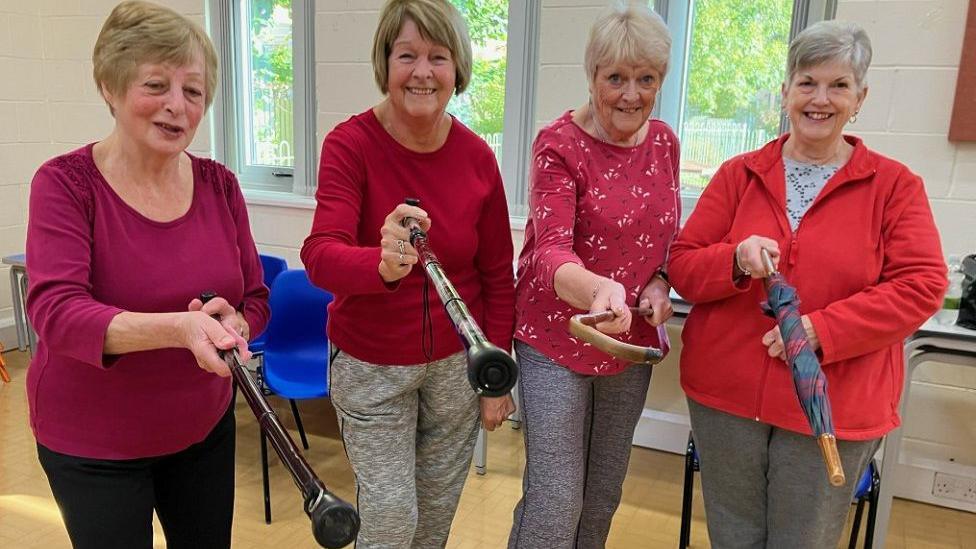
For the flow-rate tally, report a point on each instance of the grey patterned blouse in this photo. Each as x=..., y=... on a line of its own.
x=803, y=183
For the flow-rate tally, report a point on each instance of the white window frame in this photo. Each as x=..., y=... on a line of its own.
x=521, y=75
x=224, y=19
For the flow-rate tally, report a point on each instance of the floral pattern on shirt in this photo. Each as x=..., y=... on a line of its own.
x=614, y=211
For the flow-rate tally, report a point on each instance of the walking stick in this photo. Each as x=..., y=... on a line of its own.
x=335, y=523
x=581, y=326
x=491, y=371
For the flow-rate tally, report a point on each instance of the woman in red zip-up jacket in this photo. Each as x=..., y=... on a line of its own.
x=853, y=231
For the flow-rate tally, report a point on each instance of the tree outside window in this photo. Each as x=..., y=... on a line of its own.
x=271, y=95
x=732, y=94
x=482, y=106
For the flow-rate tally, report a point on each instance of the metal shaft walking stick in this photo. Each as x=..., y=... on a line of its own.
x=335, y=523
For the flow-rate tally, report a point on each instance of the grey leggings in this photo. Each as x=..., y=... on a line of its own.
x=578, y=434
x=409, y=433
x=767, y=487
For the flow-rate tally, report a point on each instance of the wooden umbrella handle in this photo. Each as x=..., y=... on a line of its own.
x=581, y=326
x=835, y=470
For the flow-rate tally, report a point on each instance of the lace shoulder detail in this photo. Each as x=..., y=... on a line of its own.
x=79, y=170
x=215, y=173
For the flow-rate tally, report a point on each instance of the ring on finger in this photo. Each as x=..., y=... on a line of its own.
x=400, y=245
x=401, y=258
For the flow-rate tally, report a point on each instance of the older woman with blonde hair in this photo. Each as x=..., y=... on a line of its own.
x=130, y=404
x=604, y=208
x=398, y=377
x=853, y=231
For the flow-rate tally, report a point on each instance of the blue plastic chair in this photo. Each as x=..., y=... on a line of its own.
x=296, y=353
x=867, y=492
x=272, y=266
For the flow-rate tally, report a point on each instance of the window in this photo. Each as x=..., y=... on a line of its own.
x=482, y=106
x=499, y=103
x=267, y=108
x=722, y=93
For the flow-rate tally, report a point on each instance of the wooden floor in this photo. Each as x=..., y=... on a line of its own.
x=648, y=516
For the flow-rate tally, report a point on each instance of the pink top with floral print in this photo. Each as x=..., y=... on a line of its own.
x=614, y=211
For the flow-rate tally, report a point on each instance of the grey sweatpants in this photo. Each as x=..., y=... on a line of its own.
x=578, y=434
x=409, y=433
x=767, y=487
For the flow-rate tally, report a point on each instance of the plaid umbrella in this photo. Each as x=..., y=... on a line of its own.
x=808, y=379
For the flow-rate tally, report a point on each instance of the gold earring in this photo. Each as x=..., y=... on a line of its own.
x=853, y=118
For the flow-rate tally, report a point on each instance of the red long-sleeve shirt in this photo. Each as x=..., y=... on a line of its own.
x=91, y=256
x=612, y=210
x=364, y=174
x=867, y=264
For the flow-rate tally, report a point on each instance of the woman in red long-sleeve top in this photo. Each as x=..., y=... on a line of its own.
x=853, y=231
x=398, y=375
x=122, y=235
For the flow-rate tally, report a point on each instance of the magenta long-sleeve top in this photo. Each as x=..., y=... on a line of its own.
x=91, y=256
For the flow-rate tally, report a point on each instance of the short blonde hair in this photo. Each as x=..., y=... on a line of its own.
x=627, y=33
x=828, y=41
x=438, y=21
x=138, y=32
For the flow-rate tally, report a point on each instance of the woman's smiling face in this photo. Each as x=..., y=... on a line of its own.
x=421, y=74
x=819, y=101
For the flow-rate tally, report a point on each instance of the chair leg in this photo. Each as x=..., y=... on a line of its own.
x=856, y=525
x=264, y=478
x=686, y=499
x=516, y=417
x=872, y=511
x=298, y=423
x=481, y=452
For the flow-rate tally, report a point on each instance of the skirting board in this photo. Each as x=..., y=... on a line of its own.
x=665, y=431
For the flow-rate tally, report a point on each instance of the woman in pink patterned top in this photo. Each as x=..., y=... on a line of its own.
x=604, y=209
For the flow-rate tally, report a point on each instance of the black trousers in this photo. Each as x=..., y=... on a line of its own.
x=109, y=503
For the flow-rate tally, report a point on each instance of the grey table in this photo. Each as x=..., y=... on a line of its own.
x=18, y=294
x=938, y=340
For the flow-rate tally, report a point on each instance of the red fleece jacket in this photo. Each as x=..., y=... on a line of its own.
x=866, y=261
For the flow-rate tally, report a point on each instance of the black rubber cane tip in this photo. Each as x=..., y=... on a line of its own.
x=411, y=201
x=495, y=375
x=335, y=524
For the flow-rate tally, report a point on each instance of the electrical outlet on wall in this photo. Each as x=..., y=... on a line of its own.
x=954, y=487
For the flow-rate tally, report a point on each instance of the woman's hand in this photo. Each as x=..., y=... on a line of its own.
x=773, y=339
x=495, y=410
x=748, y=259
x=397, y=256
x=610, y=295
x=656, y=296
x=203, y=334
x=230, y=318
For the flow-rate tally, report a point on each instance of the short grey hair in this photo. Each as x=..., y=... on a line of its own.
x=627, y=33
x=829, y=41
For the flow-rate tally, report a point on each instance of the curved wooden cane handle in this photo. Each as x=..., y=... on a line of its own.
x=581, y=326
x=835, y=470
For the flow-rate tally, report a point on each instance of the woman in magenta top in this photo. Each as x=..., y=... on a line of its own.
x=398, y=378
x=130, y=404
x=604, y=208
